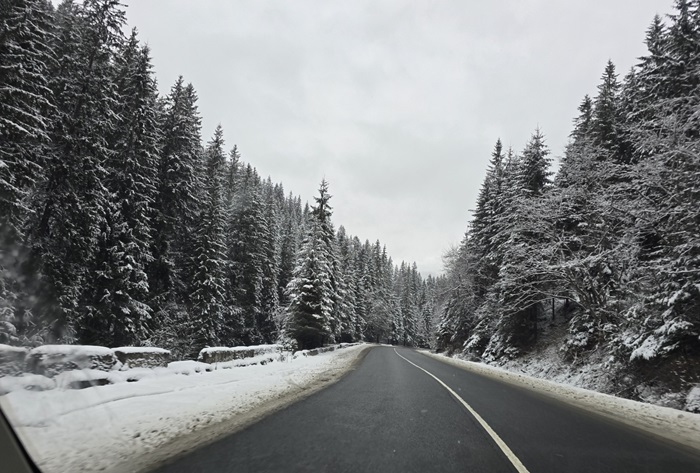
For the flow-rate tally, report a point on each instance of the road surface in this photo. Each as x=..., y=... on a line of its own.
x=391, y=414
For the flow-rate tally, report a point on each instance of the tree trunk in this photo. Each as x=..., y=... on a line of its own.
x=553, y=314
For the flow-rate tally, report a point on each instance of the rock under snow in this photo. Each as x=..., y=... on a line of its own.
x=142, y=357
x=81, y=379
x=224, y=354
x=50, y=360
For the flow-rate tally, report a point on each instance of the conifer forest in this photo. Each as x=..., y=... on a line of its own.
x=122, y=226
x=122, y=222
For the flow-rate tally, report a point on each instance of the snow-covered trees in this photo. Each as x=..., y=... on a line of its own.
x=118, y=227
x=26, y=107
x=118, y=310
x=72, y=201
x=207, y=311
x=176, y=198
x=612, y=242
x=312, y=290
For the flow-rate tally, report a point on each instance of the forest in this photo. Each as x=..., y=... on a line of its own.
x=610, y=243
x=120, y=226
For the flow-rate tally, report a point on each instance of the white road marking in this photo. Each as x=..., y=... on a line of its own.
x=501, y=444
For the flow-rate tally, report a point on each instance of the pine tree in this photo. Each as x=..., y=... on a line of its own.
x=175, y=201
x=247, y=256
x=312, y=291
x=26, y=103
x=26, y=106
x=535, y=164
x=208, y=311
x=606, y=121
x=72, y=201
x=119, y=313
x=270, y=243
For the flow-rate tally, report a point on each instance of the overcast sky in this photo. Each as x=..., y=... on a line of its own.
x=398, y=103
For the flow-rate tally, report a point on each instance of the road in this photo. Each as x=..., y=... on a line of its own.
x=389, y=415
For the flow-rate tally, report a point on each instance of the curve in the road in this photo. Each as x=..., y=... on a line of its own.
x=389, y=416
x=499, y=442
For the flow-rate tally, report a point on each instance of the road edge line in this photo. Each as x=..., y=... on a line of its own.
x=671, y=426
x=515, y=461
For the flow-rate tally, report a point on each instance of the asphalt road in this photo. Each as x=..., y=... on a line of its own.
x=390, y=416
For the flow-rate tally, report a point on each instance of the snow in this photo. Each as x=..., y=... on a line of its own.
x=32, y=382
x=692, y=401
x=188, y=367
x=256, y=348
x=11, y=349
x=130, y=350
x=678, y=426
x=69, y=379
x=131, y=426
x=647, y=350
x=71, y=350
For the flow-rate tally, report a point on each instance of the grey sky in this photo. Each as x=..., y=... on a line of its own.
x=397, y=103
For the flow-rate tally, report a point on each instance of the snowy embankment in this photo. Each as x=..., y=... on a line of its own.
x=678, y=426
x=135, y=425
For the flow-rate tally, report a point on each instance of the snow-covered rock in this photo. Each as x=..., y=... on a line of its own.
x=142, y=357
x=50, y=360
x=12, y=360
x=224, y=354
x=316, y=351
x=81, y=379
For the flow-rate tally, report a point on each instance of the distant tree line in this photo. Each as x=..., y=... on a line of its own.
x=119, y=227
x=613, y=239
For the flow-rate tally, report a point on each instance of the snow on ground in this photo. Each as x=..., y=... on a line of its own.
x=678, y=426
x=129, y=426
x=141, y=350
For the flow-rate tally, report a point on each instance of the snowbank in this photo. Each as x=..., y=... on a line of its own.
x=30, y=382
x=675, y=425
x=133, y=426
x=188, y=367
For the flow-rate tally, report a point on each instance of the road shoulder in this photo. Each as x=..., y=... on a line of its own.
x=177, y=447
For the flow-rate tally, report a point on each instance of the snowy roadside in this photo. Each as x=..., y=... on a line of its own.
x=135, y=426
x=678, y=426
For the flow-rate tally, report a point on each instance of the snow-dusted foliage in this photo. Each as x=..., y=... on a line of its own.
x=612, y=243
x=118, y=227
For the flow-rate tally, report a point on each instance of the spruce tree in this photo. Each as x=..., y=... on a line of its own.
x=208, y=310
x=312, y=289
x=73, y=200
x=119, y=313
x=175, y=203
x=535, y=172
x=606, y=121
x=26, y=109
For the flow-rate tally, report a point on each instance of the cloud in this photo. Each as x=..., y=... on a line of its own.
x=397, y=103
